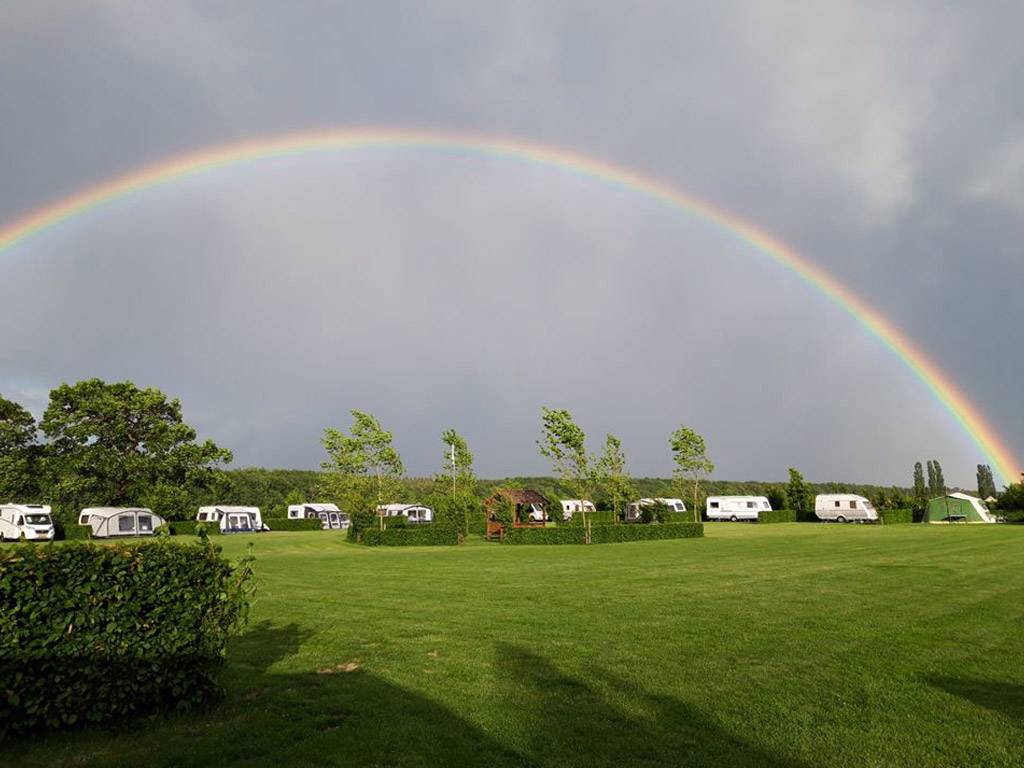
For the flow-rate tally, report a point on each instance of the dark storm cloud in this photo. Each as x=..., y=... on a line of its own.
x=884, y=141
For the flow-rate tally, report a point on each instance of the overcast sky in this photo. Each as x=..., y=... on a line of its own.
x=884, y=141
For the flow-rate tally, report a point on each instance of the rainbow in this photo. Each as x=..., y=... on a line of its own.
x=204, y=161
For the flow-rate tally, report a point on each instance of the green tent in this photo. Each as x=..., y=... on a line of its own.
x=957, y=508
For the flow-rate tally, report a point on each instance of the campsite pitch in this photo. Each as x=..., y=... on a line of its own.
x=792, y=645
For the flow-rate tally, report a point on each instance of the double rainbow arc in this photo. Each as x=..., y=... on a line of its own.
x=190, y=164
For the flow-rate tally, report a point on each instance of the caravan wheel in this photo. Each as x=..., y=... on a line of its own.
x=732, y=519
x=840, y=519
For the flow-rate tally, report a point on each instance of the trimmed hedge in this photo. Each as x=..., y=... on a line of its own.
x=286, y=524
x=604, y=534
x=594, y=518
x=892, y=516
x=1010, y=515
x=93, y=633
x=777, y=516
x=74, y=532
x=418, y=535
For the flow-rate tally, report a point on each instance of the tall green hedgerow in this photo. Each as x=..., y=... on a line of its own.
x=419, y=535
x=92, y=633
x=287, y=524
x=777, y=516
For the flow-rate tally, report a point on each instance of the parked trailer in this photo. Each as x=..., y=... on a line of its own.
x=26, y=522
x=735, y=507
x=569, y=506
x=632, y=513
x=328, y=514
x=414, y=513
x=111, y=522
x=233, y=519
x=843, y=508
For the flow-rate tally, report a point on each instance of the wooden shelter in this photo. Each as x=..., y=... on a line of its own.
x=529, y=510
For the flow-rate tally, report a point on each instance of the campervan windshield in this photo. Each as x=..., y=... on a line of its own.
x=37, y=519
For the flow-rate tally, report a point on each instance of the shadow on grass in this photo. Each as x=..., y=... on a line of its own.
x=343, y=715
x=1004, y=698
x=573, y=723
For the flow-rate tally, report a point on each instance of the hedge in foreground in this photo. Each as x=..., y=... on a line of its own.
x=421, y=535
x=604, y=534
x=777, y=516
x=93, y=633
x=891, y=516
x=286, y=524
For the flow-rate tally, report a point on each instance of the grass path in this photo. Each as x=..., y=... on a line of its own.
x=786, y=645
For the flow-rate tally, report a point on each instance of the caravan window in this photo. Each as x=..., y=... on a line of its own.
x=714, y=505
x=751, y=505
x=853, y=505
x=838, y=504
x=145, y=523
x=125, y=524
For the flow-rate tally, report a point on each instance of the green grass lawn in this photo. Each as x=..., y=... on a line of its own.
x=776, y=645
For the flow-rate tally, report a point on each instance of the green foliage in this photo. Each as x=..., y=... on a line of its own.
x=503, y=511
x=420, y=535
x=689, y=452
x=776, y=495
x=563, y=443
x=606, y=517
x=114, y=444
x=204, y=529
x=287, y=524
x=798, y=493
x=165, y=530
x=777, y=516
x=893, y=516
x=611, y=476
x=19, y=452
x=72, y=531
x=106, y=632
x=1012, y=497
x=562, y=534
x=363, y=469
x=920, y=491
x=986, y=482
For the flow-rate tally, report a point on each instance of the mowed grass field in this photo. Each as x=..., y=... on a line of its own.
x=777, y=645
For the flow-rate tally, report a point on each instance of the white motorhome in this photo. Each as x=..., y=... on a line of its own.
x=25, y=522
x=414, y=513
x=569, y=506
x=735, y=507
x=843, y=507
x=109, y=522
x=633, y=510
x=233, y=519
x=328, y=514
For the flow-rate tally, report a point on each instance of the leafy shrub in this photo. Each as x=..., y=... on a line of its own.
x=891, y=516
x=165, y=530
x=73, y=531
x=203, y=530
x=396, y=522
x=777, y=516
x=1010, y=515
x=92, y=633
x=287, y=524
x=420, y=535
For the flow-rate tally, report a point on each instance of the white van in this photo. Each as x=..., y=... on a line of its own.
x=843, y=507
x=735, y=507
x=26, y=522
x=111, y=522
x=569, y=506
x=633, y=510
x=233, y=519
x=414, y=513
x=328, y=514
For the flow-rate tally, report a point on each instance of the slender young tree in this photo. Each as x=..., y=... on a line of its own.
x=690, y=454
x=933, y=486
x=457, y=478
x=920, y=492
x=940, y=481
x=797, y=492
x=563, y=443
x=611, y=475
x=363, y=466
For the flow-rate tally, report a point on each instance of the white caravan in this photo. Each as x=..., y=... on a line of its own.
x=633, y=510
x=25, y=522
x=576, y=505
x=328, y=514
x=843, y=507
x=415, y=513
x=735, y=507
x=233, y=519
x=109, y=522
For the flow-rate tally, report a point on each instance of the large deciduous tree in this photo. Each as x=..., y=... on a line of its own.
x=689, y=451
x=117, y=444
x=563, y=443
x=363, y=470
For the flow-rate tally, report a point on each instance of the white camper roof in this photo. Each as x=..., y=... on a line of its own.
x=738, y=498
x=316, y=507
x=400, y=507
x=112, y=511
x=840, y=497
x=39, y=509
x=227, y=509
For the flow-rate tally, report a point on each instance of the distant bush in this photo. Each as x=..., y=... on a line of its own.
x=603, y=534
x=419, y=535
x=565, y=534
x=203, y=530
x=165, y=530
x=286, y=524
x=1010, y=515
x=72, y=531
x=777, y=516
x=893, y=516
x=92, y=633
